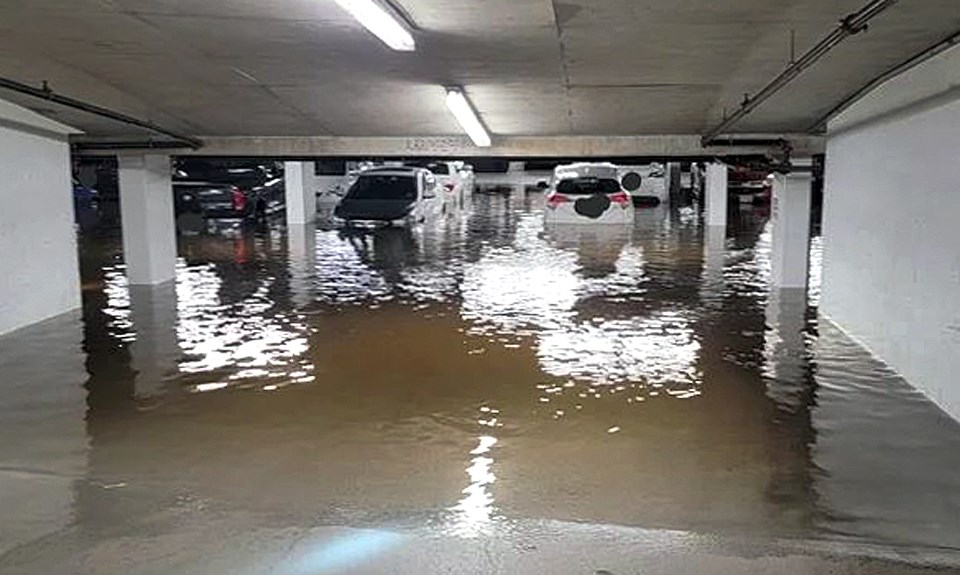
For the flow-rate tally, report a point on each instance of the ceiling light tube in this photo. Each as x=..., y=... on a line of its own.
x=381, y=22
x=464, y=113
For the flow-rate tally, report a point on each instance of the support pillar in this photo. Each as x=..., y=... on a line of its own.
x=716, y=194
x=673, y=173
x=302, y=252
x=301, y=193
x=790, y=221
x=786, y=360
x=146, y=213
x=714, y=256
x=154, y=354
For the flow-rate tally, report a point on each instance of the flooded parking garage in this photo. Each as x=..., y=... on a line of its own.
x=481, y=394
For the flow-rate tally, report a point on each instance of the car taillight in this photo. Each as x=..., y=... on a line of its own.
x=555, y=200
x=239, y=199
x=450, y=186
x=620, y=198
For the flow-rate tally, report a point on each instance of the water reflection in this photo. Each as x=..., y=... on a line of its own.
x=485, y=370
x=473, y=515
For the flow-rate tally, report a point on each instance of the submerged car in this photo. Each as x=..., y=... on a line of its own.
x=451, y=179
x=86, y=205
x=391, y=195
x=588, y=193
x=647, y=185
x=85, y=198
x=228, y=190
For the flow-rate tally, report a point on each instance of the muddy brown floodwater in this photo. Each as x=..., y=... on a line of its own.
x=480, y=395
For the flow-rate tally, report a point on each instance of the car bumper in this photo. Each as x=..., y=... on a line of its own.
x=565, y=214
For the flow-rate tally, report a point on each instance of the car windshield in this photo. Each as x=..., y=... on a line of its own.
x=384, y=187
x=588, y=186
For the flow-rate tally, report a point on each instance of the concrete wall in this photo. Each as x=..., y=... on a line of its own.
x=39, y=275
x=892, y=226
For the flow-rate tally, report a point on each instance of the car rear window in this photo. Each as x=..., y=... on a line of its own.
x=384, y=187
x=588, y=186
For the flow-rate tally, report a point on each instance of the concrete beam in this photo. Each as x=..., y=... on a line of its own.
x=672, y=146
x=929, y=85
x=24, y=120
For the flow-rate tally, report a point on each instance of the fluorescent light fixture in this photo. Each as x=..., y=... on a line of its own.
x=381, y=22
x=464, y=113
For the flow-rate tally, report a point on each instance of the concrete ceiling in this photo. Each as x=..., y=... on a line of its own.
x=532, y=67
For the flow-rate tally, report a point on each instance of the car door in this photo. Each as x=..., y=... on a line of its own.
x=431, y=196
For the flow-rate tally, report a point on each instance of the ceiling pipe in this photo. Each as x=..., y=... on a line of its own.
x=46, y=93
x=851, y=25
x=93, y=146
x=938, y=48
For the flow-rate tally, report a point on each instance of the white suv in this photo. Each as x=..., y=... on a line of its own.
x=646, y=184
x=450, y=179
x=587, y=193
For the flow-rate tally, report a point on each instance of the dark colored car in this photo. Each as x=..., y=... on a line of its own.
x=391, y=194
x=750, y=182
x=86, y=205
x=85, y=198
x=228, y=190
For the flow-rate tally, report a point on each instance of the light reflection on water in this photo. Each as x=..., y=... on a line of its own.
x=488, y=368
x=237, y=341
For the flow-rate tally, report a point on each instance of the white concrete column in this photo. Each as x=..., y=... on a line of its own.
x=714, y=256
x=300, y=181
x=302, y=250
x=154, y=354
x=716, y=194
x=790, y=221
x=146, y=213
x=786, y=361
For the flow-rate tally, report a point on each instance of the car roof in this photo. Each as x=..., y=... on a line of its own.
x=398, y=171
x=586, y=169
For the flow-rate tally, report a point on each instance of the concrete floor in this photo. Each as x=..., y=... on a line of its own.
x=479, y=396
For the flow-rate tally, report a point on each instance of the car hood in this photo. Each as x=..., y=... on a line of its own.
x=373, y=209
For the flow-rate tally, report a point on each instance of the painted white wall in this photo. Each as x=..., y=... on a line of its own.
x=891, y=230
x=38, y=246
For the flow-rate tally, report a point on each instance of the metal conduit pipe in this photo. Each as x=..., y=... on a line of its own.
x=47, y=94
x=927, y=54
x=850, y=25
